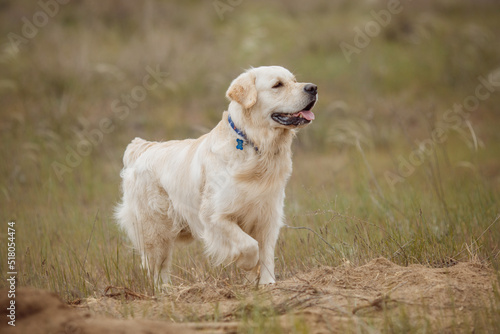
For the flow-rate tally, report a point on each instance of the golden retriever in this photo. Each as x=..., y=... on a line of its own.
x=226, y=188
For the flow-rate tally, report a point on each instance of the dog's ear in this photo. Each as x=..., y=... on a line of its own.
x=243, y=91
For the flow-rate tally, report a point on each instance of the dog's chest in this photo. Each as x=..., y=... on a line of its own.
x=267, y=173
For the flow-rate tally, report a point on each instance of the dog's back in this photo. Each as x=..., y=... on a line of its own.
x=137, y=147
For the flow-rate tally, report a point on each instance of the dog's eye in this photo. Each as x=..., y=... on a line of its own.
x=278, y=84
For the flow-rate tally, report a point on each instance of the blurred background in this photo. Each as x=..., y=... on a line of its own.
x=80, y=79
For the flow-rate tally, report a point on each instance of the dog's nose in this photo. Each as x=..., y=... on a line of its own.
x=311, y=89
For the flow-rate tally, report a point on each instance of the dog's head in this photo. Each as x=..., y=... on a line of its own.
x=272, y=94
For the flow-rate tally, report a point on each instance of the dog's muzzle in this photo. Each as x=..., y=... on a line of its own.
x=302, y=117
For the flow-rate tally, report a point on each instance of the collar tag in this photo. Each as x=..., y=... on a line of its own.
x=239, y=144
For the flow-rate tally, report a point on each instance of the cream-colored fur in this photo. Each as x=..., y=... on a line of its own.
x=207, y=189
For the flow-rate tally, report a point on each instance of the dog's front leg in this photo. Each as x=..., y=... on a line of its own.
x=225, y=240
x=267, y=245
x=264, y=270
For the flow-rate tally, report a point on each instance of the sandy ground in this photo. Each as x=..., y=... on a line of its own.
x=341, y=299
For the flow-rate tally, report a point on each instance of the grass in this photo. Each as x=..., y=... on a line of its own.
x=371, y=111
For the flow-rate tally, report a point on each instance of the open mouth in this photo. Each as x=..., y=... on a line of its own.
x=305, y=116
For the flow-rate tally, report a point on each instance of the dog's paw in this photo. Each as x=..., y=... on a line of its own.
x=266, y=281
x=166, y=287
x=249, y=256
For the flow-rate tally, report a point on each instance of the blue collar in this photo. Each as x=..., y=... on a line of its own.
x=239, y=142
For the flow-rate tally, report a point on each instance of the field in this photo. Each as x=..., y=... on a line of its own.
x=393, y=207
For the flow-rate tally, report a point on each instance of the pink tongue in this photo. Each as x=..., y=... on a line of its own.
x=308, y=114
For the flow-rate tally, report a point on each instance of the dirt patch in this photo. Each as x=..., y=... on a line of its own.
x=465, y=284
x=326, y=299
x=365, y=295
x=39, y=311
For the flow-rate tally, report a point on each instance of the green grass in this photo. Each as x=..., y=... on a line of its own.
x=394, y=92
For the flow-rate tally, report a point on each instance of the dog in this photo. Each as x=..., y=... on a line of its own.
x=226, y=188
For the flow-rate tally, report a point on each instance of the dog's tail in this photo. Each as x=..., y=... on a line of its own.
x=137, y=147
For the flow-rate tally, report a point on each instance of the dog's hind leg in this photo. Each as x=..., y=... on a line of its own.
x=156, y=260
